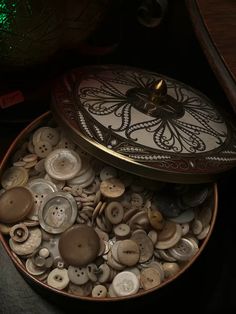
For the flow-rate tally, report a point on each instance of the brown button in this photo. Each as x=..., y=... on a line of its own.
x=145, y=245
x=15, y=204
x=168, y=231
x=112, y=188
x=79, y=245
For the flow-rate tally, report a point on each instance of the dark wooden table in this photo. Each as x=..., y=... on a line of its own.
x=215, y=25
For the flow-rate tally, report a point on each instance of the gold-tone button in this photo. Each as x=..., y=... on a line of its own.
x=15, y=204
x=79, y=245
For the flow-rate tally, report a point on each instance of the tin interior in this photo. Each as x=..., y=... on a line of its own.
x=41, y=120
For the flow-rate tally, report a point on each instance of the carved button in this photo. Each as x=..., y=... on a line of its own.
x=19, y=233
x=15, y=204
x=57, y=212
x=125, y=283
x=112, y=188
x=79, y=245
x=63, y=164
x=14, y=176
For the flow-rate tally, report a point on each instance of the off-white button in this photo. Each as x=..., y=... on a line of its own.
x=78, y=275
x=121, y=231
x=114, y=212
x=58, y=278
x=92, y=272
x=125, y=283
x=149, y=278
x=128, y=252
x=62, y=164
x=104, y=274
x=196, y=226
x=99, y=291
x=168, y=243
x=47, y=134
x=184, y=250
x=42, y=149
x=108, y=173
x=14, y=176
x=112, y=188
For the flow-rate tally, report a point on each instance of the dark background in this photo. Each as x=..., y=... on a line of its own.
x=171, y=49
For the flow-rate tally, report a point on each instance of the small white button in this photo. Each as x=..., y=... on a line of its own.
x=125, y=283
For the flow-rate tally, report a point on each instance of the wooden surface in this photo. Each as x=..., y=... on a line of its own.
x=215, y=25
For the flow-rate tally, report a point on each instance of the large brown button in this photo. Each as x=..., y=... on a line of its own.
x=15, y=204
x=79, y=245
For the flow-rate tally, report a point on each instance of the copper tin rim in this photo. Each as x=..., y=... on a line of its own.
x=23, y=134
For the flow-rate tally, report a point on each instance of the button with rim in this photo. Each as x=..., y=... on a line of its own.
x=125, y=283
x=15, y=204
x=78, y=275
x=112, y=188
x=99, y=291
x=30, y=245
x=114, y=212
x=58, y=278
x=149, y=278
x=62, y=164
x=40, y=188
x=184, y=250
x=19, y=233
x=57, y=212
x=79, y=245
x=33, y=269
x=14, y=176
x=168, y=243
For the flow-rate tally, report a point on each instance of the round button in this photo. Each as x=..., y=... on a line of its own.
x=128, y=252
x=82, y=291
x=170, y=269
x=112, y=188
x=145, y=245
x=155, y=218
x=104, y=274
x=125, y=283
x=108, y=173
x=121, y=231
x=40, y=188
x=58, y=278
x=42, y=149
x=19, y=233
x=62, y=164
x=14, y=176
x=78, y=275
x=184, y=250
x=170, y=241
x=114, y=212
x=79, y=245
x=57, y=212
x=33, y=269
x=28, y=246
x=168, y=231
x=136, y=201
x=15, y=204
x=184, y=217
x=99, y=291
x=47, y=134
x=92, y=272
x=149, y=278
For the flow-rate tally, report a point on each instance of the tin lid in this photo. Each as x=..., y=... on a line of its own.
x=145, y=123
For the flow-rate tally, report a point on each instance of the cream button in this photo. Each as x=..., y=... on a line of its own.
x=40, y=188
x=62, y=164
x=149, y=278
x=170, y=269
x=30, y=158
x=171, y=241
x=57, y=212
x=139, y=220
x=44, y=252
x=125, y=283
x=128, y=252
x=114, y=212
x=15, y=204
x=19, y=233
x=112, y=188
x=122, y=231
x=157, y=266
x=145, y=245
x=42, y=149
x=30, y=245
x=79, y=245
x=14, y=176
x=185, y=228
x=108, y=173
x=58, y=278
x=113, y=263
x=184, y=250
x=164, y=255
x=78, y=275
x=64, y=142
x=99, y=291
x=47, y=134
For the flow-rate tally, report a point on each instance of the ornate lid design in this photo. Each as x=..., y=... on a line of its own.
x=145, y=123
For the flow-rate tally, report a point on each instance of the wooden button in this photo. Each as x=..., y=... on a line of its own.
x=15, y=204
x=150, y=278
x=79, y=245
x=112, y=188
x=145, y=245
x=128, y=252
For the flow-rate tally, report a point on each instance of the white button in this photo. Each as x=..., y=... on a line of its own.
x=184, y=250
x=47, y=134
x=204, y=233
x=62, y=164
x=58, y=278
x=83, y=180
x=125, y=283
x=40, y=188
x=42, y=149
x=58, y=212
x=107, y=173
x=99, y=291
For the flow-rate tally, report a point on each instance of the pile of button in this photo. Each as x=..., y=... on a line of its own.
x=89, y=229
